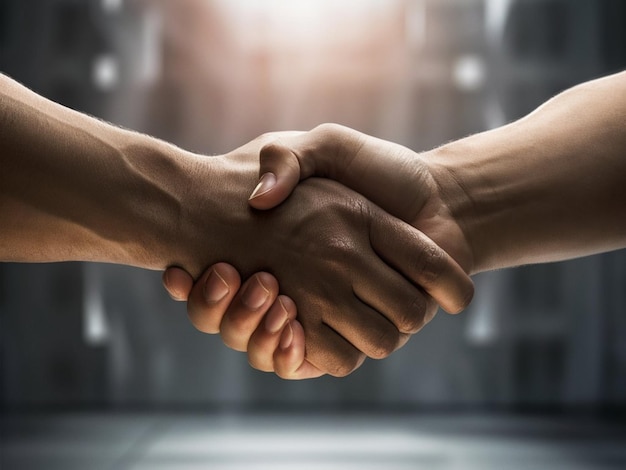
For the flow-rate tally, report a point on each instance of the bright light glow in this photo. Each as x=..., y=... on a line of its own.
x=112, y=6
x=105, y=72
x=382, y=442
x=481, y=330
x=416, y=24
x=293, y=22
x=303, y=9
x=96, y=331
x=469, y=72
x=496, y=14
x=150, y=62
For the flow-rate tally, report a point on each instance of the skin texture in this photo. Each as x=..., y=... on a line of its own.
x=74, y=188
x=545, y=188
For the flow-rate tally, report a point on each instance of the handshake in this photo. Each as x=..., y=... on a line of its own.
x=365, y=271
x=365, y=237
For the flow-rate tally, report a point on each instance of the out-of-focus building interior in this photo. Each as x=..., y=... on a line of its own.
x=101, y=369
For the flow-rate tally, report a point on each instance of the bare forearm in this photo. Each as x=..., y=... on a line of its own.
x=75, y=188
x=550, y=186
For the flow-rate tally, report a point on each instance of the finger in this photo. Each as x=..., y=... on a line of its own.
x=177, y=283
x=272, y=342
x=422, y=261
x=280, y=174
x=266, y=338
x=392, y=297
x=289, y=360
x=211, y=295
x=321, y=152
x=329, y=351
x=247, y=310
x=367, y=329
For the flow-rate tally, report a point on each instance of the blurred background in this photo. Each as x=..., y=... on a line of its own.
x=100, y=369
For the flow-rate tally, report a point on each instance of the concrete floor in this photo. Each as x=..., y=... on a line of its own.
x=192, y=441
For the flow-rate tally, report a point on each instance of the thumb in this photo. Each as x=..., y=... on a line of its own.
x=320, y=152
x=280, y=174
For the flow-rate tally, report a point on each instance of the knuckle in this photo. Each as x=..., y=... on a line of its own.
x=462, y=299
x=347, y=365
x=430, y=263
x=274, y=155
x=271, y=149
x=387, y=342
x=467, y=299
x=337, y=143
x=328, y=129
x=411, y=320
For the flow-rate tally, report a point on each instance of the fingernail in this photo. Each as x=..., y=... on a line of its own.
x=276, y=319
x=252, y=296
x=266, y=183
x=287, y=337
x=215, y=288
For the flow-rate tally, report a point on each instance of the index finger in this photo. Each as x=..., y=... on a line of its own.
x=421, y=260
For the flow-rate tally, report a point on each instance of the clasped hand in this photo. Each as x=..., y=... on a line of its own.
x=363, y=281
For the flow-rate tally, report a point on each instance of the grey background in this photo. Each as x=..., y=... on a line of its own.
x=86, y=335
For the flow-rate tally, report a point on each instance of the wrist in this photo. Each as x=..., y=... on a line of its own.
x=463, y=171
x=503, y=187
x=76, y=188
x=149, y=179
x=214, y=219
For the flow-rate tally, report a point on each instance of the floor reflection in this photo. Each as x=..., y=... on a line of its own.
x=141, y=441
